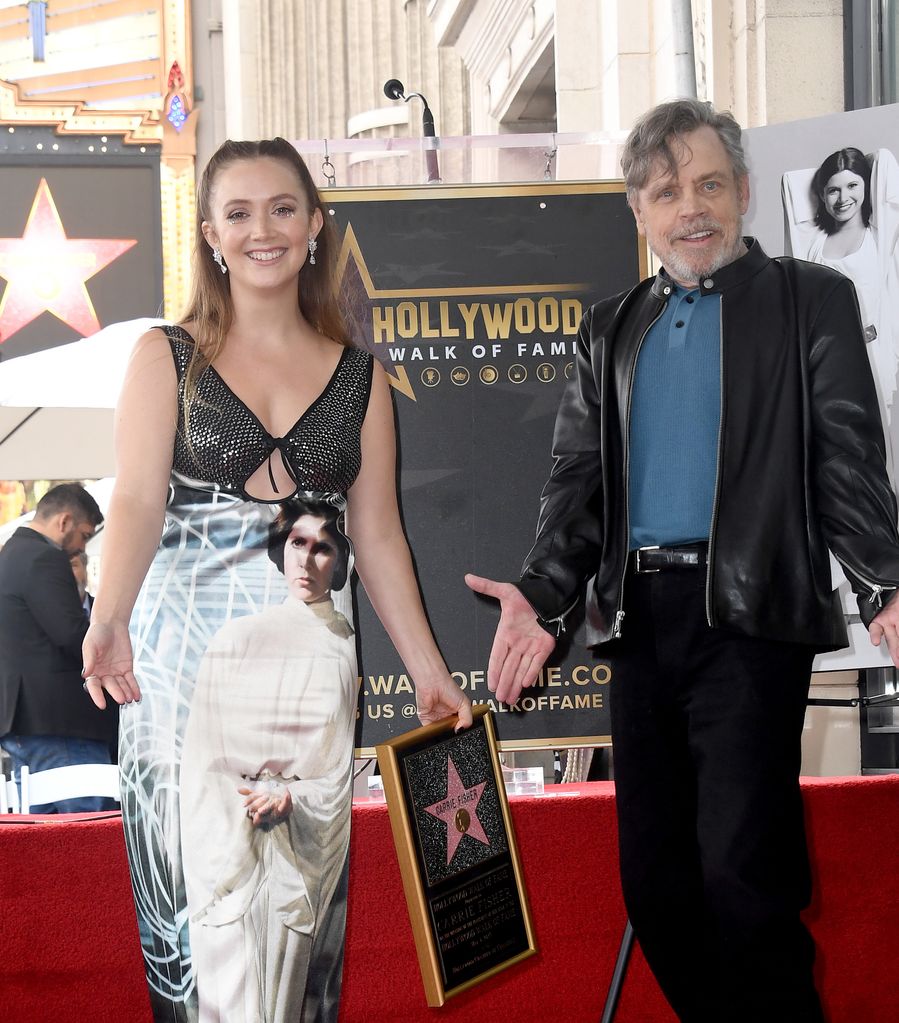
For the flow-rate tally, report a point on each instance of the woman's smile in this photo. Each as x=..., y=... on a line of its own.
x=266, y=255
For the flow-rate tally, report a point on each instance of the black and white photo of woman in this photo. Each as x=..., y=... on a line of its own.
x=845, y=214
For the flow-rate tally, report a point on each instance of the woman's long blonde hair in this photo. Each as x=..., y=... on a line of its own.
x=209, y=307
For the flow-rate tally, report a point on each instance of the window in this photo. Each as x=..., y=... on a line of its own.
x=870, y=43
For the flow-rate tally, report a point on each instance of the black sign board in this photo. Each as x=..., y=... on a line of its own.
x=471, y=297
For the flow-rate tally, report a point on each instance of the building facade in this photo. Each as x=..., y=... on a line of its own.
x=315, y=70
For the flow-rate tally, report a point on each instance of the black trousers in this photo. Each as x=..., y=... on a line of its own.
x=706, y=730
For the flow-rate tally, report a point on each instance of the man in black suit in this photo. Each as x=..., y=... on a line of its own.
x=78, y=561
x=45, y=720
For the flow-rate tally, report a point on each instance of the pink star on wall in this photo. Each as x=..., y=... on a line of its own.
x=458, y=811
x=46, y=271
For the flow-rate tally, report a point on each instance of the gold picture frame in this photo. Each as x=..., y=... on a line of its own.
x=457, y=854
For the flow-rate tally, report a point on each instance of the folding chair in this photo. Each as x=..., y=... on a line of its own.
x=72, y=782
x=9, y=796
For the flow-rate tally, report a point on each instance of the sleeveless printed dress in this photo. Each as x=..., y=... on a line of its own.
x=244, y=652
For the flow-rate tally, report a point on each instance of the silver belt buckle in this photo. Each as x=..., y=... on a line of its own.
x=637, y=560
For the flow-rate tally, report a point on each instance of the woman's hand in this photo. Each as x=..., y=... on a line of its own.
x=441, y=698
x=108, y=664
x=267, y=806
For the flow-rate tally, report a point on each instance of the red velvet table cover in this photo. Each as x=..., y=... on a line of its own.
x=69, y=951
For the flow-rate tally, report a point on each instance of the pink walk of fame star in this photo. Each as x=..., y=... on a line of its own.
x=47, y=271
x=458, y=811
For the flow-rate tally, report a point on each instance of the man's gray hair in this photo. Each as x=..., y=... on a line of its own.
x=650, y=139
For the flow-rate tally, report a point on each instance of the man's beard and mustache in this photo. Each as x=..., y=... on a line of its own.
x=682, y=268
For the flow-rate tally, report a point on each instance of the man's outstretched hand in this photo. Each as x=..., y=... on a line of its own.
x=520, y=646
x=885, y=625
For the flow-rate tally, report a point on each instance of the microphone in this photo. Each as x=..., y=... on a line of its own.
x=394, y=89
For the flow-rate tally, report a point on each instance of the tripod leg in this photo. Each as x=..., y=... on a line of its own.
x=624, y=954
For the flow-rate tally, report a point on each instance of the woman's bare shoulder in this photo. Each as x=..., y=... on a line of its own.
x=152, y=354
x=165, y=339
x=151, y=342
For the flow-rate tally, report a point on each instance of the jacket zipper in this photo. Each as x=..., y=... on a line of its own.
x=559, y=620
x=711, y=557
x=625, y=440
x=876, y=589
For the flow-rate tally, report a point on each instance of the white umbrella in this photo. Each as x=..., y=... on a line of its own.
x=56, y=406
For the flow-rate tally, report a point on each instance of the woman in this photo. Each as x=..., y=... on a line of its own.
x=266, y=785
x=251, y=399
x=842, y=191
x=854, y=217
x=842, y=188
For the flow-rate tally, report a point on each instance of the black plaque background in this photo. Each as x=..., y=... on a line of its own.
x=425, y=779
x=474, y=458
x=474, y=907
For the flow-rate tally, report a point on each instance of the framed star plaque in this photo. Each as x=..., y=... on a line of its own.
x=457, y=854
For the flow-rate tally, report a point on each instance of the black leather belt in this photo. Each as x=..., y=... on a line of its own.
x=664, y=559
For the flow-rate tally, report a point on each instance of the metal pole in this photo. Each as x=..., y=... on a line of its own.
x=624, y=954
x=684, y=63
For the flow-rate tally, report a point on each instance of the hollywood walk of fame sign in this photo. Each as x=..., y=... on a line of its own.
x=457, y=854
x=471, y=298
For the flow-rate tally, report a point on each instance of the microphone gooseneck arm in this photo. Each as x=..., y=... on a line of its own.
x=394, y=89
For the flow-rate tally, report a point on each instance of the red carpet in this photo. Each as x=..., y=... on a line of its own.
x=69, y=953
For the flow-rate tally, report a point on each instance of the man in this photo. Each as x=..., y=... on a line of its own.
x=45, y=720
x=78, y=561
x=721, y=431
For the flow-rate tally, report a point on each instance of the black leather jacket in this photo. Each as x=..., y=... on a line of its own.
x=801, y=462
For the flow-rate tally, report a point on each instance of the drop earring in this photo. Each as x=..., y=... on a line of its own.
x=217, y=256
x=313, y=245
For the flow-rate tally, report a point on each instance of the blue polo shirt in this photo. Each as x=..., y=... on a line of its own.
x=674, y=423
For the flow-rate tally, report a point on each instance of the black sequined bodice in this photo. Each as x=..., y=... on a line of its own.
x=321, y=452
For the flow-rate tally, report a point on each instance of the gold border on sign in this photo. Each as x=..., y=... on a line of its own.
x=389, y=756
x=365, y=193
